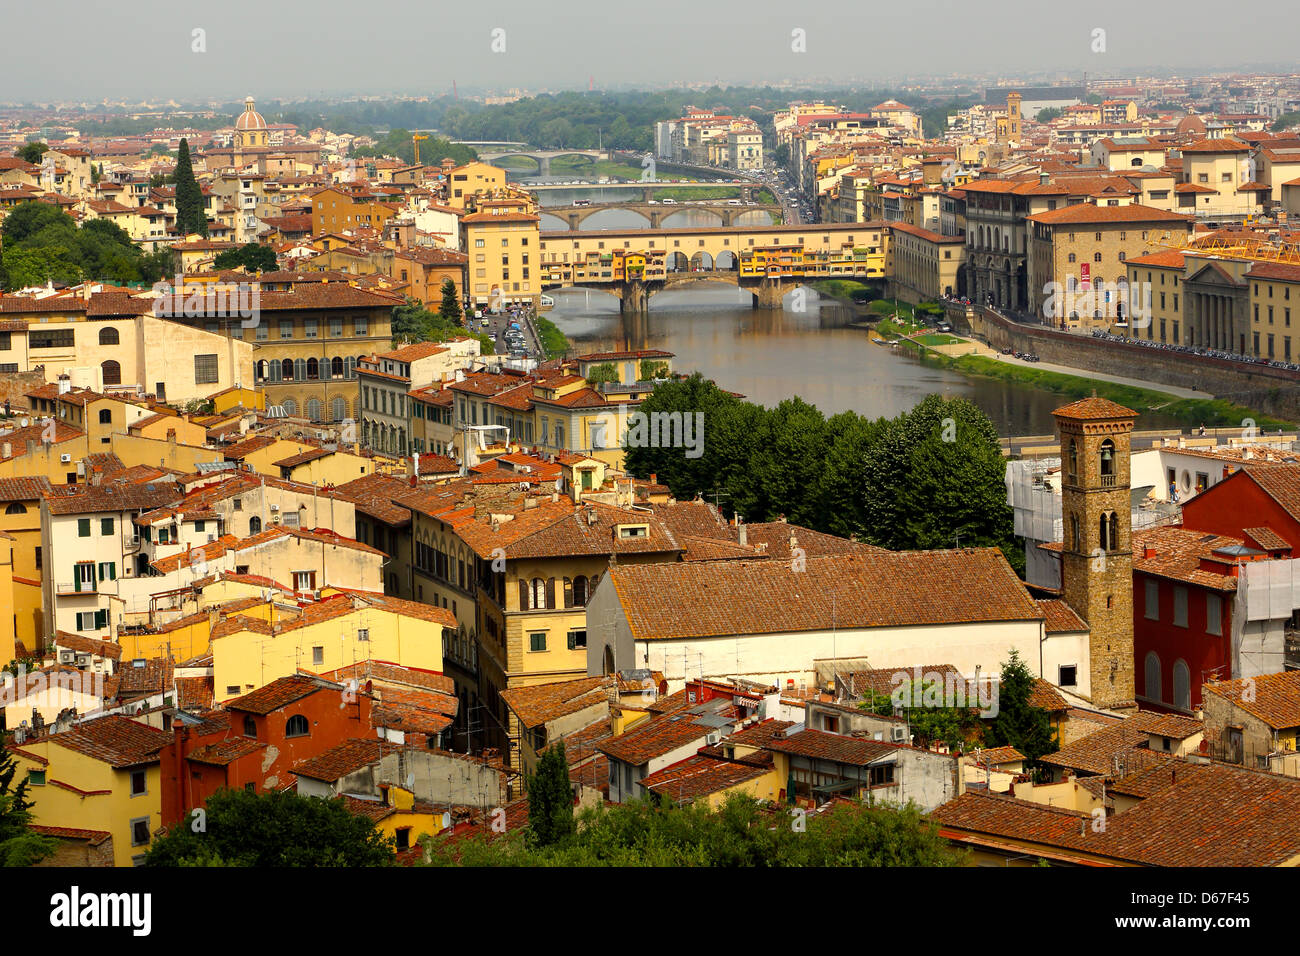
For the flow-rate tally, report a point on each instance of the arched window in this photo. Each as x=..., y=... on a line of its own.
x=254, y=524
x=296, y=726
x=580, y=591
x=286, y=370
x=1074, y=533
x=313, y=370
x=108, y=336
x=260, y=370
x=106, y=416
x=17, y=508
x=338, y=409
x=1114, y=532
x=1096, y=257
x=1074, y=458
x=300, y=369
x=336, y=367
x=349, y=367
x=537, y=595
x=250, y=726
x=290, y=407
x=1107, y=455
x=1071, y=257
x=1152, y=677
x=1182, y=685
x=608, y=665
x=1104, y=533
x=314, y=409
x=112, y=372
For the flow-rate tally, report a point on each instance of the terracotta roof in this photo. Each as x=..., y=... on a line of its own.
x=1060, y=617
x=539, y=703
x=856, y=751
x=891, y=589
x=118, y=741
x=88, y=645
x=1094, y=409
x=111, y=497
x=699, y=776
x=1276, y=697
x=279, y=693
x=344, y=759
x=1089, y=213
x=1180, y=554
x=29, y=488
x=1096, y=752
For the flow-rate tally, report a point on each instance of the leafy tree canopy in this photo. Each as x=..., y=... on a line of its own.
x=278, y=828
x=252, y=257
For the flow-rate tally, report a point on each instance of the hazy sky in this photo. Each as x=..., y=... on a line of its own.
x=84, y=50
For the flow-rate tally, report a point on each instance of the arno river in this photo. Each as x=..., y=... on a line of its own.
x=768, y=355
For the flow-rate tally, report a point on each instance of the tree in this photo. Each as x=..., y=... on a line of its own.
x=550, y=800
x=412, y=322
x=652, y=369
x=276, y=828
x=191, y=217
x=742, y=832
x=1018, y=723
x=19, y=846
x=32, y=153
x=1049, y=113
x=935, y=479
x=96, y=173
x=450, y=307
x=252, y=257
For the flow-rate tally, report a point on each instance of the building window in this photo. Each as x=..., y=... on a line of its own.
x=112, y=372
x=577, y=640
x=1180, y=607
x=1182, y=685
x=1213, y=614
x=537, y=641
x=1152, y=601
x=139, y=783
x=296, y=726
x=1151, y=672
x=317, y=656
x=205, y=369
x=83, y=527
x=105, y=416
x=140, y=831
x=1067, y=675
x=250, y=725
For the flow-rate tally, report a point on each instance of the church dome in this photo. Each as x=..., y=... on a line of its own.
x=250, y=119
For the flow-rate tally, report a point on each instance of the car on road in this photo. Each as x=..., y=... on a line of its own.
x=670, y=202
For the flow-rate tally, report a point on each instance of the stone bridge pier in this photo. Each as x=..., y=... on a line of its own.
x=768, y=293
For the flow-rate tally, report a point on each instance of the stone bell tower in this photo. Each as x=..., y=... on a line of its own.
x=1097, y=553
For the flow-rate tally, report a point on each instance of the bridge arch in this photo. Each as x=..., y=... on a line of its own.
x=753, y=218
x=726, y=261
x=677, y=262
x=555, y=222
x=688, y=213
x=702, y=261
x=600, y=220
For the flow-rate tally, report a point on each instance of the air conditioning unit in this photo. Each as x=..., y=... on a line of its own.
x=66, y=657
x=275, y=507
x=899, y=733
x=65, y=459
x=83, y=660
x=714, y=739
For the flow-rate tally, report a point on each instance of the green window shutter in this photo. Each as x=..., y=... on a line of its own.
x=106, y=526
x=112, y=570
x=101, y=619
x=83, y=527
x=572, y=644
x=76, y=578
x=101, y=570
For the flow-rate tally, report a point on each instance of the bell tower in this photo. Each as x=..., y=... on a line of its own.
x=1097, y=554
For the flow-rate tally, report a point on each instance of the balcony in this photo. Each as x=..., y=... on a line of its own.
x=1108, y=481
x=73, y=587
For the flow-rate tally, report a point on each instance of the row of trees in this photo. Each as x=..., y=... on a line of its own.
x=929, y=478
x=412, y=322
x=398, y=142
x=41, y=243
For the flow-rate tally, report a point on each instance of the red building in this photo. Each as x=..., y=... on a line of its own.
x=256, y=739
x=1185, y=581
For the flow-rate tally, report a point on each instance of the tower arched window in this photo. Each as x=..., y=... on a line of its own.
x=1074, y=459
x=1106, y=455
x=1074, y=533
x=1114, y=531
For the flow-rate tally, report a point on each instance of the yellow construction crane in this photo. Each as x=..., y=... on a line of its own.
x=415, y=138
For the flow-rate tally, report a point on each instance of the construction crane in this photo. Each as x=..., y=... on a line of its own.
x=415, y=139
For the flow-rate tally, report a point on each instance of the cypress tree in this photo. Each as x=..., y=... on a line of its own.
x=190, y=216
x=550, y=800
x=450, y=308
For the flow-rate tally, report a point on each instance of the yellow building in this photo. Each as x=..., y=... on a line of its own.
x=99, y=775
x=325, y=635
x=504, y=249
x=20, y=520
x=345, y=208
x=472, y=180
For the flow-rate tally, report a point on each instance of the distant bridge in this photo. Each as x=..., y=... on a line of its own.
x=542, y=157
x=656, y=214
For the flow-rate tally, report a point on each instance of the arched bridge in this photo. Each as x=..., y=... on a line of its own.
x=542, y=157
x=656, y=214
